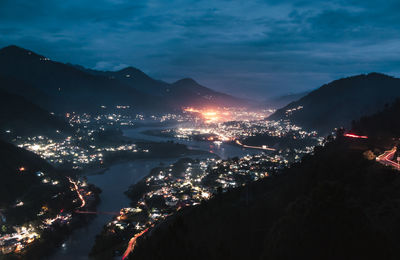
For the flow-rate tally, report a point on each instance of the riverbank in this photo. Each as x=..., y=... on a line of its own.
x=115, y=180
x=61, y=227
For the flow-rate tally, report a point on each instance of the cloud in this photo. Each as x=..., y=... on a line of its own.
x=105, y=65
x=268, y=47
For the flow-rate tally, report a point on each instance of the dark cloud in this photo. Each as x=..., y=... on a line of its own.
x=266, y=47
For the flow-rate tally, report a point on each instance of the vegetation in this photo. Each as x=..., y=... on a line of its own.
x=20, y=182
x=335, y=204
x=18, y=116
x=383, y=124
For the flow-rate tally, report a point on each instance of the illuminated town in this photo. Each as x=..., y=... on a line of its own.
x=166, y=191
x=199, y=130
x=16, y=239
x=189, y=182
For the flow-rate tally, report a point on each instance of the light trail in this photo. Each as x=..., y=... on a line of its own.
x=255, y=147
x=355, y=136
x=387, y=156
x=77, y=192
x=132, y=244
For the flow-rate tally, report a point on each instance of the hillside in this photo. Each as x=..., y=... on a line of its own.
x=383, y=124
x=193, y=94
x=335, y=204
x=63, y=87
x=20, y=182
x=66, y=88
x=337, y=103
x=184, y=92
x=134, y=78
x=22, y=117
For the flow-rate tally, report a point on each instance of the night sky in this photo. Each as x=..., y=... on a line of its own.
x=259, y=48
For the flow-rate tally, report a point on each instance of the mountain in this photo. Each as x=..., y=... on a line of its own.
x=66, y=88
x=192, y=93
x=335, y=204
x=184, y=92
x=134, y=78
x=22, y=117
x=19, y=181
x=63, y=87
x=337, y=103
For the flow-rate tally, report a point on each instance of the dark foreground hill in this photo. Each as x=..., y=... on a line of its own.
x=333, y=205
x=336, y=104
x=18, y=116
x=20, y=182
x=385, y=123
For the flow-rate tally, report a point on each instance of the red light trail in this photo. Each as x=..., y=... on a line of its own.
x=386, y=158
x=132, y=243
x=355, y=136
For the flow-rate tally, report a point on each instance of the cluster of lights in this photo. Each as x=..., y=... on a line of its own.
x=25, y=235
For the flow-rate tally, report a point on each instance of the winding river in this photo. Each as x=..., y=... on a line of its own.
x=117, y=179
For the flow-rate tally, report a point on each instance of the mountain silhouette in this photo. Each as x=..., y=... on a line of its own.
x=336, y=104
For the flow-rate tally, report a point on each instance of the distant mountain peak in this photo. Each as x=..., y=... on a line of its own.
x=186, y=82
x=16, y=51
x=365, y=76
x=130, y=69
x=12, y=48
x=337, y=103
x=378, y=74
x=133, y=72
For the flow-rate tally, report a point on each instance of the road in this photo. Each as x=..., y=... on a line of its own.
x=255, y=147
x=83, y=202
x=132, y=244
x=355, y=136
x=386, y=158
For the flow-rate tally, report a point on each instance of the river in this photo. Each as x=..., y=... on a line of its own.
x=224, y=151
x=117, y=179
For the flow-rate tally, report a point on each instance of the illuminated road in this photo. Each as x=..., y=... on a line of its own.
x=386, y=158
x=116, y=179
x=355, y=136
x=132, y=244
x=83, y=202
x=255, y=147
